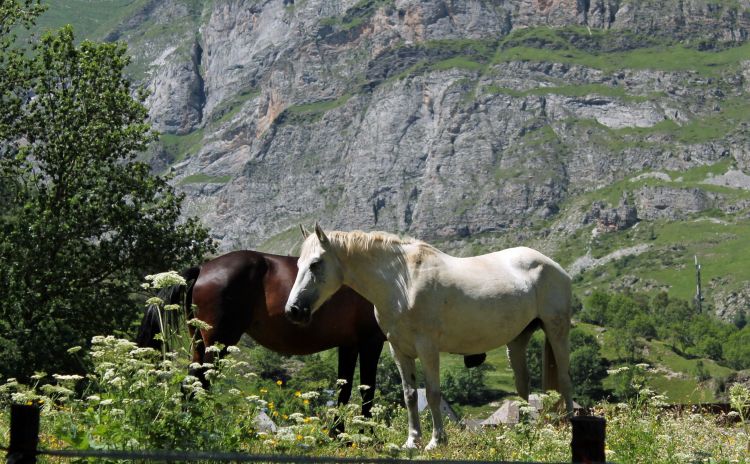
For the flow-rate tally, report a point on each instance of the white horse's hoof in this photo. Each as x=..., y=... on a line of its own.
x=411, y=443
x=435, y=442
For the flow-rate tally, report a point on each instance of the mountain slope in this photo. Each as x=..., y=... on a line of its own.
x=470, y=124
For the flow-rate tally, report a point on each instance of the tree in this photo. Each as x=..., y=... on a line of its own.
x=740, y=319
x=388, y=379
x=595, y=309
x=587, y=367
x=534, y=359
x=737, y=349
x=82, y=220
x=587, y=371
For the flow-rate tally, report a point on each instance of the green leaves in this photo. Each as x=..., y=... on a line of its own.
x=82, y=220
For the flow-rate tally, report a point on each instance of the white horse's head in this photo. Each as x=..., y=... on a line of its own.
x=319, y=276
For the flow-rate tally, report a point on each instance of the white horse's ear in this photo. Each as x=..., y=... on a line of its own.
x=304, y=231
x=321, y=235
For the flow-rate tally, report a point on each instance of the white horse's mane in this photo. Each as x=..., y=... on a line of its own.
x=358, y=241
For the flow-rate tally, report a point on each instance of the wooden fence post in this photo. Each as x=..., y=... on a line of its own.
x=24, y=434
x=587, y=444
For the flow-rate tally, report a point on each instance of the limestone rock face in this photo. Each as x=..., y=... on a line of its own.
x=449, y=120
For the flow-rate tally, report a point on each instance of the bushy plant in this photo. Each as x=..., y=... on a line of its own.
x=465, y=386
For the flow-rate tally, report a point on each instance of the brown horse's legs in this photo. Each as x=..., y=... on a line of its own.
x=369, y=355
x=347, y=362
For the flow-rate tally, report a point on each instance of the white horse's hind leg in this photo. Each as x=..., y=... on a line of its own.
x=558, y=340
x=549, y=368
x=408, y=370
x=430, y=359
x=517, y=357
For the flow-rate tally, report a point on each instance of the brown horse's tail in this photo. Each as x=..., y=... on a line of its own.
x=155, y=317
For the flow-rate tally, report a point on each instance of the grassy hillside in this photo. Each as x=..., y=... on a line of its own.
x=720, y=241
x=91, y=19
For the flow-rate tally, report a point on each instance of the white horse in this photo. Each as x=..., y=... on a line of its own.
x=428, y=302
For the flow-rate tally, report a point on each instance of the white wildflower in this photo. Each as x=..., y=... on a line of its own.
x=117, y=382
x=22, y=397
x=93, y=398
x=234, y=391
x=618, y=370
x=212, y=349
x=106, y=402
x=199, y=324
x=311, y=395
x=138, y=352
x=233, y=349
x=137, y=386
x=154, y=300
x=364, y=387
x=122, y=343
x=74, y=349
x=67, y=378
x=341, y=382
x=165, y=279
x=172, y=307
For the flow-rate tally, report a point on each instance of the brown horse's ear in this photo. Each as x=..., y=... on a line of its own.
x=304, y=231
x=321, y=235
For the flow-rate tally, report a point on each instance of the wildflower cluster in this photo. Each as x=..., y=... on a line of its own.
x=139, y=398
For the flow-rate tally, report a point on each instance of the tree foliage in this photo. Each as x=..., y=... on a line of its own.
x=587, y=366
x=82, y=220
x=633, y=317
x=466, y=386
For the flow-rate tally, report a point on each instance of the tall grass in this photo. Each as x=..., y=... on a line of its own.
x=139, y=399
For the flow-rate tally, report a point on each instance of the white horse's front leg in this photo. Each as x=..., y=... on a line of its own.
x=429, y=356
x=408, y=370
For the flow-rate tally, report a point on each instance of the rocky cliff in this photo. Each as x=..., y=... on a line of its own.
x=471, y=123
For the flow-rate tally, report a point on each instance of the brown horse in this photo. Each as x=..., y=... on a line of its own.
x=245, y=292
